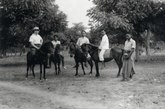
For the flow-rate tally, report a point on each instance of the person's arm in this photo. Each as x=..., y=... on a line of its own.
x=132, y=50
x=87, y=41
x=41, y=41
x=59, y=42
x=34, y=45
x=129, y=54
x=78, y=42
x=102, y=42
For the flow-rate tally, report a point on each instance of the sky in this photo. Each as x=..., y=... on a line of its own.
x=75, y=10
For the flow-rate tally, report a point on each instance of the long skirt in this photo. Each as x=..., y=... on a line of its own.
x=128, y=69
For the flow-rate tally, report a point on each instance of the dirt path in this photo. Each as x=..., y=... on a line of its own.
x=33, y=98
x=65, y=91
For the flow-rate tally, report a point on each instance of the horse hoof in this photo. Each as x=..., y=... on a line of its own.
x=97, y=76
x=118, y=76
x=64, y=67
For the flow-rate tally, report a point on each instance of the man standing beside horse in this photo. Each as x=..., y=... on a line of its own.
x=128, y=58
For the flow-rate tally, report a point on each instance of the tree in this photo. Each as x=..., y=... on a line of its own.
x=118, y=17
x=20, y=16
x=74, y=32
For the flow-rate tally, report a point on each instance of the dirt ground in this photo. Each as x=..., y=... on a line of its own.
x=65, y=91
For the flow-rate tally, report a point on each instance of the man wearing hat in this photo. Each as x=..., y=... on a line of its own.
x=35, y=40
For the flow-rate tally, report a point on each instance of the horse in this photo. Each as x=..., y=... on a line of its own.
x=79, y=57
x=57, y=58
x=115, y=53
x=40, y=58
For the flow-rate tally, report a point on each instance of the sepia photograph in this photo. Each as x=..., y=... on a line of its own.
x=82, y=54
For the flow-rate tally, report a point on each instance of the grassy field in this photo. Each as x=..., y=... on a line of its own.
x=145, y=91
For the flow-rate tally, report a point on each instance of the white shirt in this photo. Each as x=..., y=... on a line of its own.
x=82, y=40
x=36, y=39
x=55, y=43
x=129, y=44
x=104, y=42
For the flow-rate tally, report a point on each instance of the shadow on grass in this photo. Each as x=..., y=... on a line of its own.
x=19, y=64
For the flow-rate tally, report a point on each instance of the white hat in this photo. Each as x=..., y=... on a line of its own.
x=36, y=28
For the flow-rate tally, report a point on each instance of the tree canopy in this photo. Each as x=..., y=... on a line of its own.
x=20, y=16
x=118, y=17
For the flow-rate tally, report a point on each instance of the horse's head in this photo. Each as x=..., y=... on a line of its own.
x=58, y=49
x=47, y=47
x=85, y=48
x=88, y=48
x=72, y=48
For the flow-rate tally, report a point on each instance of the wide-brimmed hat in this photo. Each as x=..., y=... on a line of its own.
x=36, y=28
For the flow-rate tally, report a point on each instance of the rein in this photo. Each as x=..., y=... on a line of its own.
x=92, y=52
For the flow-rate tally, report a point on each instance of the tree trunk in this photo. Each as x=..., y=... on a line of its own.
x=148, y=43
x=147, y=36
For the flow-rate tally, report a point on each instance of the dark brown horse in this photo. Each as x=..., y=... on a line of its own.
x=40, y=58
x=57, y=58
x=79, y=57
x=115, y=53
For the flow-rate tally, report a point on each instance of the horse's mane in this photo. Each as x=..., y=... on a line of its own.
x=57, y=48
x=45, y=46
x=93, y=46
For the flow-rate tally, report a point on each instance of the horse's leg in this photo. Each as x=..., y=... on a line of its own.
x=91, y=65
x=55, y=65
x=82, y=67
x=59, y=70
x=44, y=75
x=97, y=69
x=62, y=60
x=32, y=68
x=77, y=65
x=28, y=66
x=40, y=71
x=119, y=64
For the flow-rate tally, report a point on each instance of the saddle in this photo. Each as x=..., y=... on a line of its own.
x=107, y=53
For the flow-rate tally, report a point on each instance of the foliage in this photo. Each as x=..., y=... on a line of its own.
x=118, y=17
x=74, y=32
x=20, y=16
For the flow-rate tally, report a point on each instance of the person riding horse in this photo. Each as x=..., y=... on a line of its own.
x=83, y=40
x=56, y=42
x=104, y=45
x=80, y=57
x=36, y=42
